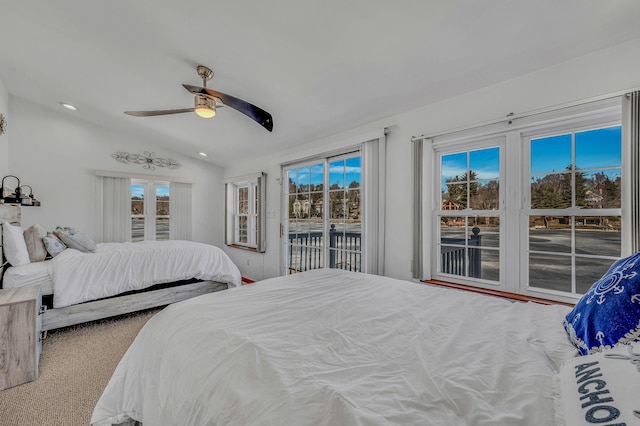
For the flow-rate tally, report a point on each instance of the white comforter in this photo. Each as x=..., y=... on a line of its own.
x=120, y=267
x=336, y=348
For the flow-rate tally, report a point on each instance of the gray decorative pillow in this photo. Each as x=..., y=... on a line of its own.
x=53, y=245
x=33, y=236
x=76, y=239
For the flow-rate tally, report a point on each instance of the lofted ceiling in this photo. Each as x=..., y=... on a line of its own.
x=319, y=67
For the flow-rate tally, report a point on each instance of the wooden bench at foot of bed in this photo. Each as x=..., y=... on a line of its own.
x=105, y=308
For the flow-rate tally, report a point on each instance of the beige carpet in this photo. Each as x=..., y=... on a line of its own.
x=75, y=366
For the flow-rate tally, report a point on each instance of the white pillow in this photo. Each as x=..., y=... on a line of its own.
x=14, y=246
x=601, y=388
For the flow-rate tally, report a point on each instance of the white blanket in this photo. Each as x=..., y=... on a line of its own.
x=120, y=267
x=336, y=348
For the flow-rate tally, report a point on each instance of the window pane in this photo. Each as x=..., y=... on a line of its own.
x=485, y=195
x=484, y=231
x=317, y=177
x=137, y=229
x=453, y=260
x=599, y=235
x=342, y=259
x=453, y=166
x=317, y=205
x=243, y=227
x=137, y=199
x=302, y=258
x=484, y=264
x=550, y=272
x=336, y=174
x=550, y=233
x=551, y=154
x=162, y=228
x=600, y=189
x=485, y=163
x=337, y=204
x=552, y=191
x=293, y=207
x=303, y=179
x=454, y=196
x=599, y=148
x=302, y=206
x=353, y=172
x=588, y=271
x=453, y=230
x=243, y=200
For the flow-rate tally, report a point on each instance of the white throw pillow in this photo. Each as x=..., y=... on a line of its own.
x=601, y=388
x=14, y=246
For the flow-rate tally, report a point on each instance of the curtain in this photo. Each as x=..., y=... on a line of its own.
x=116, y=209
x=374, y=178
x=180, y=211
x=631, y=154
x=416, y=163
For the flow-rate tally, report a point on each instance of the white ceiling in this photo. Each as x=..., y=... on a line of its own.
x=319, y=67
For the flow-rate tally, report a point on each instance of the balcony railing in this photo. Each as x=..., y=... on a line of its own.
x=453, y=259
x=305, y=250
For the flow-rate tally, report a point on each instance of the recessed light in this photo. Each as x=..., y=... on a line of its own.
x=68, y=106
x=204, y=154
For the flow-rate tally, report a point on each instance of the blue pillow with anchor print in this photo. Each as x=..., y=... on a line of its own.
x=609, y=313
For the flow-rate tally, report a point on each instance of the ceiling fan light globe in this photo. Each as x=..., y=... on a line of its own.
x=205, y=112
x=204, y=107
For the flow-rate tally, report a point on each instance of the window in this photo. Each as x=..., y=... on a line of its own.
x=535, y=209
x=150, y=218
x=470, y=216
x=574, y=220
x=324, y=225
x=245, y=212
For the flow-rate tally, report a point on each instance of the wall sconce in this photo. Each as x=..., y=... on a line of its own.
x=17, y=196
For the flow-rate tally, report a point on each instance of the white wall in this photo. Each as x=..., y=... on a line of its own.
x=604, y=72
x=4, y=139
x=57, y=154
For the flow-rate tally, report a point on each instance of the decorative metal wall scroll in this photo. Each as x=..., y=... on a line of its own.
x=3, y=124
x=148, y=160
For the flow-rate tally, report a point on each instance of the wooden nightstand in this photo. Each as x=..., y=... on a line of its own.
x=20, y=342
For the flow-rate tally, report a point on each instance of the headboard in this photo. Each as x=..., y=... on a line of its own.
x=12, y=214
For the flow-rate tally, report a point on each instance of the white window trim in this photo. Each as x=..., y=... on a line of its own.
x=256, y=237
x=600, y=113
x=149, y=206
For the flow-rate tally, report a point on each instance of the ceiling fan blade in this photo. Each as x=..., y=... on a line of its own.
x=159, y=112
x=258, y=115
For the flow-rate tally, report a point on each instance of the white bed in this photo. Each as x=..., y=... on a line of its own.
x=74, y=277
x=329, y=347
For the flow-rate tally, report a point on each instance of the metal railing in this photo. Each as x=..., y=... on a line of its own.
x=305, y=250
x=454, y=256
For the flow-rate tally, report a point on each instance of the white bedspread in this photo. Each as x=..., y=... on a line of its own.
x=120, y=267
x=336, y=348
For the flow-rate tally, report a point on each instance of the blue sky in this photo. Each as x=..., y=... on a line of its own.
x=598, y=148
x=138, y=190
x=594, y=149
x=349, y=170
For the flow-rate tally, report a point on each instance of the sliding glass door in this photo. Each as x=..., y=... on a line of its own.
x=323, y=227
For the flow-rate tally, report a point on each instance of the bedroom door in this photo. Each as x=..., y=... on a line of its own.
x=323, y=223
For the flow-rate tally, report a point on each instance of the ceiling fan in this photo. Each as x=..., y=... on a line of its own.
x=207, y=100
